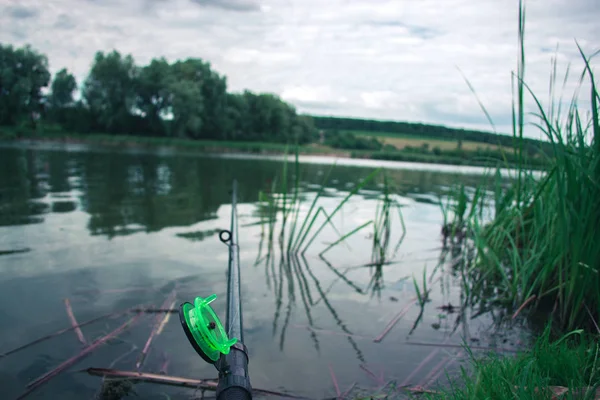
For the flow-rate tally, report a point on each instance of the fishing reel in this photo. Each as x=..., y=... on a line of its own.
x=204, y=329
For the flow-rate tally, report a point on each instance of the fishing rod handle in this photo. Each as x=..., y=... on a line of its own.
x=234, y=382
x=235, y=393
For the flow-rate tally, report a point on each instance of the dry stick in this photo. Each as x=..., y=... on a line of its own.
x=529, y=300
x=371, y=374
x=425, y=361
x=335, y=383
x=126, y=290
x=395, y=320
x=420, y=366
x=461, y=346
x=154, y=310
x=66, y=364
x=111, y=365
x=329, y=332
x=403, y=312
x=155, y=330
x=421, y=390
x=165, y=365
x=448, y=364
x=348, y=390
x=74, y=322
x=60, y=332
x=165, y=320
x=172, y=380
x=432, y=373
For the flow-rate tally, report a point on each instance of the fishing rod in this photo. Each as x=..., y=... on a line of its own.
x=222, y=347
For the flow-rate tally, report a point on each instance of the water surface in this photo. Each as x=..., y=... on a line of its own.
x=114, y=229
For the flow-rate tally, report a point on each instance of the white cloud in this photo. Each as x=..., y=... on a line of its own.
x=387, y=59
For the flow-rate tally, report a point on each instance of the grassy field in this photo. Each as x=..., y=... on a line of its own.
x=401, y=141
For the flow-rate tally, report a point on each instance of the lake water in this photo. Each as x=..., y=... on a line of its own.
x=109, y=230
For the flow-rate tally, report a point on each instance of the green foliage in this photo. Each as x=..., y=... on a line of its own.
x=542, y=242
x=493, y=158
x=109, y=91
x=570, y=362
x=154, y=99
x=62, y=89
x=184, y=99
x=347, y=140
x=404, y=129
x=23, y=74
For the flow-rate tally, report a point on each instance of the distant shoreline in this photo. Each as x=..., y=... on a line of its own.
x=236, y=147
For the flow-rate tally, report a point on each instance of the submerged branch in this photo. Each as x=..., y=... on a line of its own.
x=66, y=364
x=206, y=384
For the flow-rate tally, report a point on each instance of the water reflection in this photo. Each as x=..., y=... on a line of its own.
x=120, y=191
x=292, y=270
x=57, y=208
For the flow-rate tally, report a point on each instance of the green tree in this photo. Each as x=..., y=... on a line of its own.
x=184, y=99
x=195, y=81
x=154, y=94
x=60, y=99
x=23, y=74
x=62, y=88
x=109, y=91
x=236, y=124
x=187, y=109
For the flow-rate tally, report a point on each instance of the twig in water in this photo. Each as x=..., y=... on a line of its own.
x=348, y=390
x=372, y=375
x=173, y=380
x=154, y=310
x=335, y=383
x=164, y=365
x=126, y=290
x=434, y=371
x=420, y=366
x=420, y=390
x=74, y=322
x=461, y=346
x=402, y=312
x=156, y=328
x=439, y=372
x=60, y=332
x=164, y=321
x=529, y=300
x=395, y=320
x=66, y=364
x=111, y=365
x=329, y=332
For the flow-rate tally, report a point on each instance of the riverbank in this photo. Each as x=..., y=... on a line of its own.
x=240, y=147
x=563, y=368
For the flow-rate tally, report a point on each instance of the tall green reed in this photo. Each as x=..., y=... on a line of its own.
x=298, y=230
x=543, y=237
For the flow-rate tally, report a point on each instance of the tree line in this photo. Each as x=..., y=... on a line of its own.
x=425, y=131
x=183, y=99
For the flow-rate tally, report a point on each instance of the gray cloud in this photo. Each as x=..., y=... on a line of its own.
x=18, y=33
x=64, y=22
x=423, y=32
x=392, y=60
x=21, y=12
x=230, y=5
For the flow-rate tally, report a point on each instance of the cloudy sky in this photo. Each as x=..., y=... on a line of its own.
x=395, y=59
